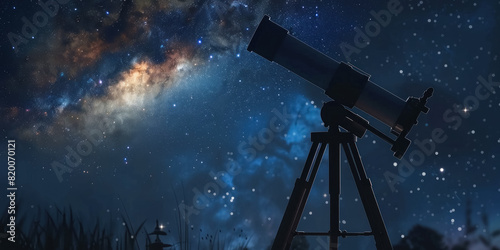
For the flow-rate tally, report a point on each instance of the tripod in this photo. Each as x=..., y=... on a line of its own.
x=334, y=116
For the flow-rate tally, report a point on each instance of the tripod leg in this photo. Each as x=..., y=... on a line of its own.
x=334, y=190
x=298, y=199
x=367, y=196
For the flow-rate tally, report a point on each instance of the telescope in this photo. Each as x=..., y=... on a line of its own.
x=342, y=82
x=348, y=87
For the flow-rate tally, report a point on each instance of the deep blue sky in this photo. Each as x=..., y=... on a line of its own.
x=181, y=98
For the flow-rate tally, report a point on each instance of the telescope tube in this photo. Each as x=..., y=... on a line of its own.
x=340, y=81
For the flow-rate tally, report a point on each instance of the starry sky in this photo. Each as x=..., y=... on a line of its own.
x=156, y=108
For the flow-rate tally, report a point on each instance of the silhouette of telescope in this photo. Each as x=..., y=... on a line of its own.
x=342, y=82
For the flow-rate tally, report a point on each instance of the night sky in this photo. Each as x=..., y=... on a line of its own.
x=157, y=110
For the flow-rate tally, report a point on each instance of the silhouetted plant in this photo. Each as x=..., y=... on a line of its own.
x=63, y=231
x=209, y=241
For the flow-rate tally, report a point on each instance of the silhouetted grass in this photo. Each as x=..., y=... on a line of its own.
x=61, y=230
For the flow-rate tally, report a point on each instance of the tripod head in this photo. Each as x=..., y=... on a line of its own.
x=334, y=115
